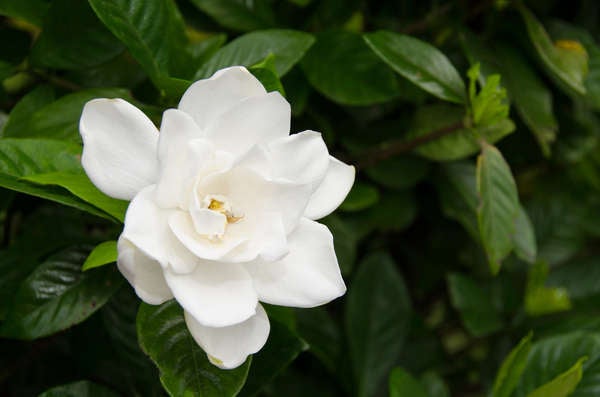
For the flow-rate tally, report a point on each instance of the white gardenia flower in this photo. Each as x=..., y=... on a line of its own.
x=223, y=207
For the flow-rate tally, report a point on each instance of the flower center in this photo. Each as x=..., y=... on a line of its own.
x=221, y=205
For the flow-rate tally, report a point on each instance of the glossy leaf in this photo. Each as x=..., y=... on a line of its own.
x=57, y=295
x=102, y=254
x=499, y=205
x=419, y=62
x=343, y=68
x=511, y=369
x=403, y=384
x=563, y=385
x=184, y=367
x=237, y=15
x=377, y=317
x=21, y=113
x=287, y=46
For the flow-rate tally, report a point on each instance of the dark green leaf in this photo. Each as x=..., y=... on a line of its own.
x=237, y=14
x=580, y=279
x=360, y=197
x=57, y=295
x=184, y=367
x=377, y=318
x=457, y=186
x=73, y=38
x=419, y=62
x=498, y=205
x=102, y=254
x=511, y=369
x=83, y=388
x=475, y=306
x=435, y=385
x=287, y=46
x=524, y=237
x=32, y=11
x=402, y=384
x=400, y=172
x=345, y=238
x=20, y=115
x=344, y=69
x=321, y=332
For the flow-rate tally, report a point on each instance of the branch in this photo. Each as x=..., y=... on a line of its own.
x=394, y=148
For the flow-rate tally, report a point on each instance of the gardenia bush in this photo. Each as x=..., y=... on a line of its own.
x=299, y=197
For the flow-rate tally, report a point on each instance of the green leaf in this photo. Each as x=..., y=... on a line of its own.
x=421, y=63
x=154, y=33
x=564, y=384
x=490, y=105
x=377, y=317
x=344, y=69
x=56, y=120
x=539, y=299
x=512, y=368
x=399, y=172
x=21, y=113
x=524, y=238
x=345, y=239
x=83, y=388
x=287, y=46
x=80, y=185
x=567, y=62
x=551, y=357
x=322, y=333
x=498, y=205
x=434, y=384
x=394, y=211
x=32, y=11
x=103, y=254
x=57, y=295
x=266, y=73
x=73, y=38
x=184, y=367
x=580, y=279
x=457, y=187
x=361, y=196
x=478, y=314
x=453, y=140
x=236, y=14
x=402, y=384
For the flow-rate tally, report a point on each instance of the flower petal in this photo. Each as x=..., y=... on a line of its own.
x=332, y=191
x=216, y=294
x=119, y=147
x=228, y=347
x=207, y=99
x=308, y=276
x=147, y=227
x=207, y=222
x=143, y=273
x=252, y=121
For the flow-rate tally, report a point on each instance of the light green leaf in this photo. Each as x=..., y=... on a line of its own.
x=287, y=46
x=154, y=33
x=184, y=367
x=498, y=205
x=524, y=238
x=419, y=62
x=478, y=314
x=580, y=279
x=83, y=388
x=344, y=69
x=360, y=197
x=57, y=295
x=102, y=254
x=539, y=299
x=490, y=105
x=377, y=318
x=402, y=384
x=563, y=385
x=512, y=368
x=58, y=47
x=238, y=15
x=567, y=62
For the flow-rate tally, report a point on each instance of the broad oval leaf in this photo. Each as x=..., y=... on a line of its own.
x=511, y=369
x=403, y=384
x=287, y=46
x=102, y=254
x=378, y=313
x=344, y=69
x=57, y=295
x=83, y=388
x=184, y=367
x=399, y=172
x=360, y=197
x=498, y=205
x=563, y=385
x=524, y=237
x=238, y=15
x=419, y=62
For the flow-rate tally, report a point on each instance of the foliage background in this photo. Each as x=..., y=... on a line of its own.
x=469, y=243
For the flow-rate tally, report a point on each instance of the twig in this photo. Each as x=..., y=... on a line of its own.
x=57, y=81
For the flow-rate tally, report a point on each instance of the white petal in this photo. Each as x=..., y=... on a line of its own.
x=147, y=227
x=228, y=347
x=332, y=191
x=216, y=294
x=143, y=273
x=299, y=158
x=176, y=131
x=207, y=99
x=308, y=276
x=119, y=147
x=252, y=121
x=208, y=223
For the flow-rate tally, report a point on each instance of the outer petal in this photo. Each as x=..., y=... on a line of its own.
x=119, y=147
x=209, y=98
x=143, y=273
x=332, y=191
x=216, y=294
x=146, y=227
x=228, y=347
x=252, y=121
x=308, y=276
